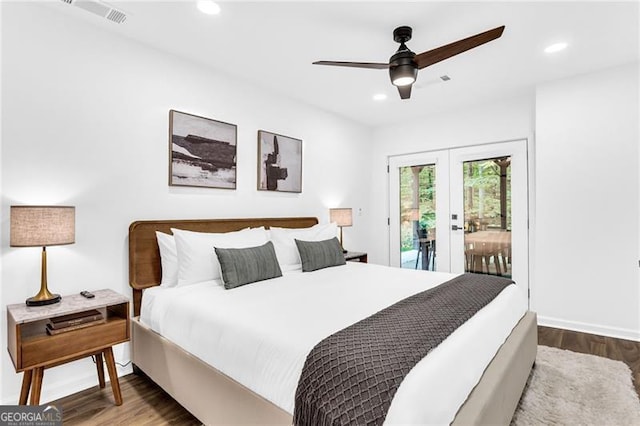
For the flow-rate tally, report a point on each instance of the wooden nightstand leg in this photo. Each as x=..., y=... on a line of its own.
x=36, y=386
x=26, y=385
x=100, y=367
x=113, y=375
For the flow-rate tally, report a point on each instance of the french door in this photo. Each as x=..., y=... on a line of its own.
x=461, y=210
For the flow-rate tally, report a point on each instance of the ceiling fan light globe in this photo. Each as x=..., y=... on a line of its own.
x=403, y=81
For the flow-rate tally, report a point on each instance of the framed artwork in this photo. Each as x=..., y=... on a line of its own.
x=279, y=162
x=202, y=151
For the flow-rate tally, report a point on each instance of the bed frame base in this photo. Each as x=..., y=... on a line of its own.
x=214, y=398
x=495, y=398
x=209, y=395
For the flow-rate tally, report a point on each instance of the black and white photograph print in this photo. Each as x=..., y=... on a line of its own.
x=279, y=162
x=202, y=151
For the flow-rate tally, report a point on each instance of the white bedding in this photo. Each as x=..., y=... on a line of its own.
x=261, y=333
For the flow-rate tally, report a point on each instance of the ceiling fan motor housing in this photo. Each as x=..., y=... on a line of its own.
x=403, y=70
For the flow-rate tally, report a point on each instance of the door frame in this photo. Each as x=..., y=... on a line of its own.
x=443, y=230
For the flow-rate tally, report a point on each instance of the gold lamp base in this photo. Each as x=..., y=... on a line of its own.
x=44, y=297
x=343, y=249
x=34, y=301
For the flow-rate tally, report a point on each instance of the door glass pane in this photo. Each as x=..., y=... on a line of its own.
x=418, y=216
x=487, y=216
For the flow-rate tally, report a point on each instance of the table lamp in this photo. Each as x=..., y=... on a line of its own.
x=42, y=226
x=342, y=218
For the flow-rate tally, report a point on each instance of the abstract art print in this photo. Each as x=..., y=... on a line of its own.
x=202, y=151
x=279, y=162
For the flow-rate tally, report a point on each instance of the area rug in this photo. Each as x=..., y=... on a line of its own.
x=569, y=388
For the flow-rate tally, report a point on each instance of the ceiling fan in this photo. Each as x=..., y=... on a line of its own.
x=403, y=66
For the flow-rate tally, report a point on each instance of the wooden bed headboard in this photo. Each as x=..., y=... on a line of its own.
x=144, y=256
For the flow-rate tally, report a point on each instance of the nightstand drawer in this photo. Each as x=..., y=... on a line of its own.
x=45, y=349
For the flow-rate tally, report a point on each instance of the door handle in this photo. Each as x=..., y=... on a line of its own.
x=456, y=228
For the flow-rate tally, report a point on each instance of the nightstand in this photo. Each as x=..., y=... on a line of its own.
x=355, y=256
x=32, y=350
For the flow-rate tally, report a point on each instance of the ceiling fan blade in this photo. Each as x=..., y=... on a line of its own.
x=444, y=52
x=405, y=91
x=374, y=65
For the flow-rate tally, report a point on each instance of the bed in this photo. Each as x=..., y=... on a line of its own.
x=216, y=398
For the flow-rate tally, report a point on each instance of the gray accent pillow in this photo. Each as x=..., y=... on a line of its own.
x=320, y=254
x=248, y=265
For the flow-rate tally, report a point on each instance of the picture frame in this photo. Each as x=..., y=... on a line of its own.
x=202, y=151
x=279, y=162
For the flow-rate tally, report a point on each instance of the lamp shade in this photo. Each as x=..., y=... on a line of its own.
x=40, y=226
x=342, y=217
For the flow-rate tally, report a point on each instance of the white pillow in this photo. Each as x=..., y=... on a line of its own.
x=168, y=259
x=285, y=245
x=197, y=260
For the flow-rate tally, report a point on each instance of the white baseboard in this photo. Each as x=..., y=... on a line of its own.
x=54, y=391
x=619, y=333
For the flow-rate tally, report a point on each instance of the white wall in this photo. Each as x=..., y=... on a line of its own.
x=500, y=121
x=587, y=275
x=85, y=123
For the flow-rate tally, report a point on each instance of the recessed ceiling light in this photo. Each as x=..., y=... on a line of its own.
x=379, y=97
x=556, y=47
x=209, y=7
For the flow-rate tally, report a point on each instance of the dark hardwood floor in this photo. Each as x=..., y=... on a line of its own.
x=147, y=404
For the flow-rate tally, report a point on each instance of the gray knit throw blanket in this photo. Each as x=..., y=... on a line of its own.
x=350, y=377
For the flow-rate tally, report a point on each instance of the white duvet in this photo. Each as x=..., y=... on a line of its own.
x=260, y=334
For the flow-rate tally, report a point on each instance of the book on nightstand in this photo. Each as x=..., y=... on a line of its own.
x=53, y=331
x=74, y=321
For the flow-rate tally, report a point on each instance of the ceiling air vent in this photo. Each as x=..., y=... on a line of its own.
x=99, y=8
